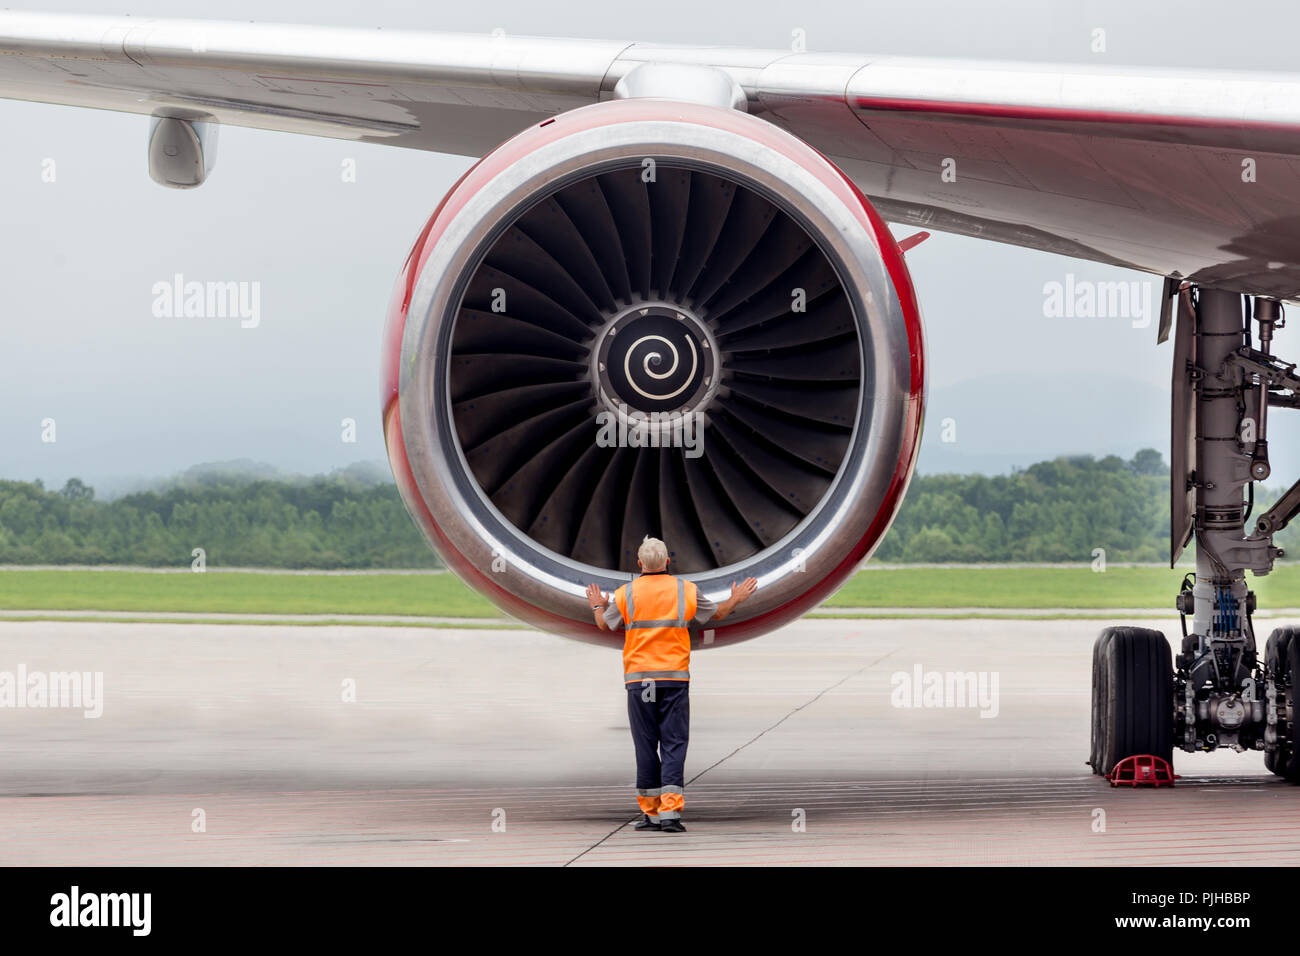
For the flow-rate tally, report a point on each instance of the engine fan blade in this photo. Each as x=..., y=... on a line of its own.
x=599, y=535
x=558, y=519
x=478, y=419
x=522, y=496
x=767, y=516
x=797, y=484
x=548, y=225
x=518, y=255
x=830, y=317
x=711, y=198
x=683, y=531
x=479, y=333
x=475, y=375
x=748, y=219
x=819, y=445
x=784, y=244
x=640, y=509
x=505, y=453
x=834, y=403
x=833, y=359
x=670, y=197
x=726, y=530
x=630, y=206
x=492, y=290
x=812, y=275
x=588, y=209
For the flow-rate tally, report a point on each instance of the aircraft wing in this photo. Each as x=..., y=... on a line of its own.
x=1195, y=173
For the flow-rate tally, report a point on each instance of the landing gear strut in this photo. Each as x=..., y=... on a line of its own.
x=1217, y=692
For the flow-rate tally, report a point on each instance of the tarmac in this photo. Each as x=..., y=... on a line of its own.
x=265, y=744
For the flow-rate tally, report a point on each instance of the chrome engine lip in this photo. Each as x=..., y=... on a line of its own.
x=554, y=583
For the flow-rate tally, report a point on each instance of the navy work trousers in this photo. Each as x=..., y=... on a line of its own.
x=659, y=713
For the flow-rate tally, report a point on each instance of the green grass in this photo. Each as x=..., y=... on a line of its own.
x=1041, y=587
x=424, y=595
x=442, y=595
x=1030, y=587
x=92, y=617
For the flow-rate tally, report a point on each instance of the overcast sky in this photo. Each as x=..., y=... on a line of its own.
x=133, y=394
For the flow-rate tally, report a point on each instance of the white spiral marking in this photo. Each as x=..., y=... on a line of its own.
x=627, y=367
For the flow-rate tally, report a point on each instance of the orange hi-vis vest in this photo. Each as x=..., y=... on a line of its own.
x=657, y=610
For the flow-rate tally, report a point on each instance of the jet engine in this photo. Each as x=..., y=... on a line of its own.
x=653, y=317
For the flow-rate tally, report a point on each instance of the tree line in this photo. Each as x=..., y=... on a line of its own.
x=322, y=523
x=1054, y=511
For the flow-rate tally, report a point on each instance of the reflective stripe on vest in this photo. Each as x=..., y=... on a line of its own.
x=656, y=675
x=656, y=610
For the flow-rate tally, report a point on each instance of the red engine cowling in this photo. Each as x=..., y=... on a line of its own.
x=650, y=317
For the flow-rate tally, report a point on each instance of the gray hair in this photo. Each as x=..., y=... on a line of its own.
x=653, y=554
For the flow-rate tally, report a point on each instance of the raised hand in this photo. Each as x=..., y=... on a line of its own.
x=744, y=590
x=595, y=596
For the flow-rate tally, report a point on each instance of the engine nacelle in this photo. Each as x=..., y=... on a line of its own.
x=650, y=317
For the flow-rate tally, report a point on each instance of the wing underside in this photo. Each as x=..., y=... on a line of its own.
x=1188, y=173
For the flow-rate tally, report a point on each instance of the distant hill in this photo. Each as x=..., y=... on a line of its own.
x=1001, y=422
x=240, y=471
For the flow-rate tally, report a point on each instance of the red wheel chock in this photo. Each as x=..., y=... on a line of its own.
x=1142, y=770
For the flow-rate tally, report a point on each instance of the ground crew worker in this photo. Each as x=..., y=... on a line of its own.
x=656, y=609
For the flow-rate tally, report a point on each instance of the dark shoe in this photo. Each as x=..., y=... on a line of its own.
x=645, y=823
x=672, y=826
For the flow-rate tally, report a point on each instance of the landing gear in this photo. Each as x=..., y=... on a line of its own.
x=1217, y=693
x=1132, y=697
